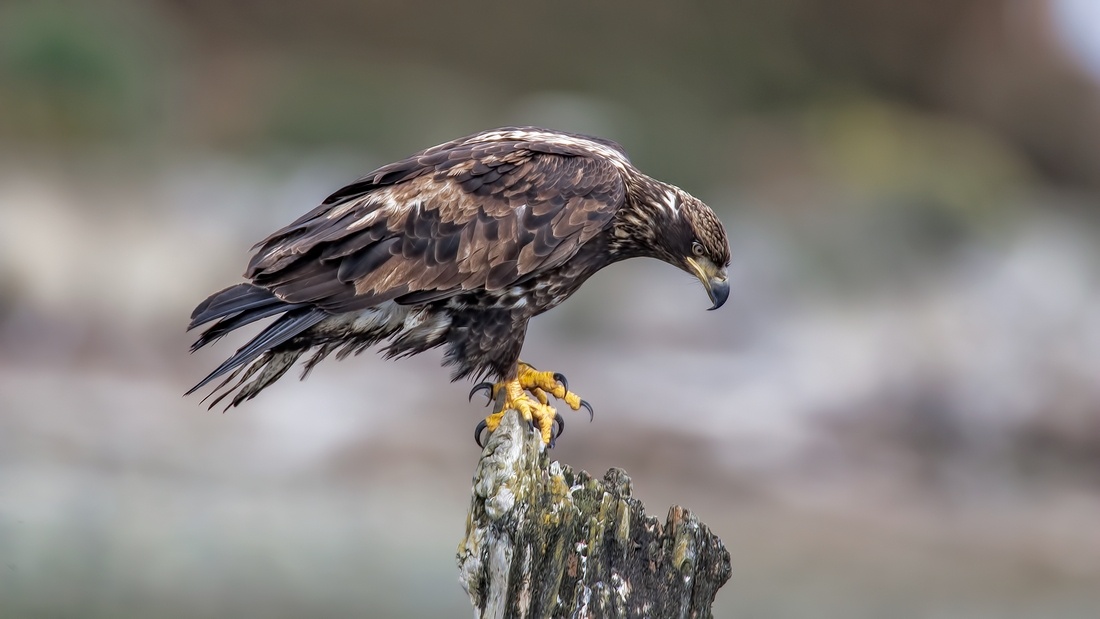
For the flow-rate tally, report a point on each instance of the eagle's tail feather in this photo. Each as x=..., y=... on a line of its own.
x=235, y=306
x=291, y=324
x=273, y=365
x=225, y=325
x=233, y=300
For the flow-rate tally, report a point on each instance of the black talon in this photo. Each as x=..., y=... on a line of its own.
x=478, y=387
x=558, y=376
x=591, y=413
x=477, y=433
x=560, y=421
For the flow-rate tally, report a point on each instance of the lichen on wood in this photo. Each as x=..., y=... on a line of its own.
x=544, y=541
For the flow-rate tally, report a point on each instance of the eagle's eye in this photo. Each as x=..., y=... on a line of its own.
x=697, y=248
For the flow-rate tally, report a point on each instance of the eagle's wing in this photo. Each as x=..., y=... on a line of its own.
x=454, y=218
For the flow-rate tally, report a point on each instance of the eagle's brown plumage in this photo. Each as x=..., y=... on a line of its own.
x=458, y=245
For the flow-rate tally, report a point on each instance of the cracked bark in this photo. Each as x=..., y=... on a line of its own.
x=544, y=541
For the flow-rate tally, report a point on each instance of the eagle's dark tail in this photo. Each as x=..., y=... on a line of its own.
x=240, y=305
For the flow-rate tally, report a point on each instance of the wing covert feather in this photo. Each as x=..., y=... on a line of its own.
x=439, y=223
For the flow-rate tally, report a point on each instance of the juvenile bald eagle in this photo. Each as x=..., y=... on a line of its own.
x=459, y=245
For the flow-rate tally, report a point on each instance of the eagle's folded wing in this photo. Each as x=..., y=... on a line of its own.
x=454, y=218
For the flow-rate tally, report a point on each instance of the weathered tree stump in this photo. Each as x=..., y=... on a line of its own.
x=543, y=541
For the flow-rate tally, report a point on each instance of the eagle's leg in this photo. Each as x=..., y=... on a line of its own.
x=553, y=383
x=513, y=394
x=539, y=384
x=536, y=412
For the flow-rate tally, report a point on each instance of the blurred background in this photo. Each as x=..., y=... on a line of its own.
x=896, y=415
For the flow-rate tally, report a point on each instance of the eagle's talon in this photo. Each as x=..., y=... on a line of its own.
x=477, y=432
x=550, y=383
x=488, y=387
x=591, y=413
x=550, y=437
x=529, y=395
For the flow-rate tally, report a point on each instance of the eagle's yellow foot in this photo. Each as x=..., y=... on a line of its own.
x=511, y=394
x=553, y=383
x=539, y=384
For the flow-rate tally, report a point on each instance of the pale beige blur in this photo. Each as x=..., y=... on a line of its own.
x=894, y=415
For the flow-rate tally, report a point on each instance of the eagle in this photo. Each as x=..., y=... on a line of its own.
x=458, y=246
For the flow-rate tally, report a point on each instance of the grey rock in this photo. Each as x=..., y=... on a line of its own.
x=544, y=541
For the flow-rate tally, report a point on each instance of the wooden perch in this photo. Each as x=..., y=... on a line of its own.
x=543, y=541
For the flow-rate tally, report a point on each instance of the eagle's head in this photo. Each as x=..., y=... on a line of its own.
x=669, y=224
x=699, y=246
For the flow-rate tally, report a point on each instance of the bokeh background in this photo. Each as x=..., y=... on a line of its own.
x=896, y=415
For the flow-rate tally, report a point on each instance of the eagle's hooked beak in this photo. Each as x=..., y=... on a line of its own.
x=719, y=290
x=714, y=280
